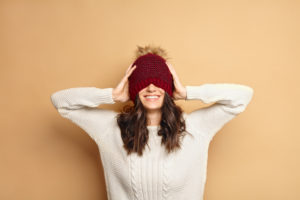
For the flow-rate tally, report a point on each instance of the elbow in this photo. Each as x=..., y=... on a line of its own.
x=235, y=110
x=249, y=95
x=54, y=101
x=245, y=100
x=241, y=103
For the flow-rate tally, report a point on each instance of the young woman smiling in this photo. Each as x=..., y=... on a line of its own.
x=174, y=164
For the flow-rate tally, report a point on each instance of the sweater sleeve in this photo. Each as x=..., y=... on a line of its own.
x=229, y=100
x=80, y=106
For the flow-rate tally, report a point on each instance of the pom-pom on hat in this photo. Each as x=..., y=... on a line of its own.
x=150, y=68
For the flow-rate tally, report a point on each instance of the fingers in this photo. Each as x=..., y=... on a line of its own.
x=172, y=70
x=130, y=71
x=128, y=68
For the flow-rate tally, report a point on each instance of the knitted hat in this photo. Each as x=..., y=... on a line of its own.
x=150, y=68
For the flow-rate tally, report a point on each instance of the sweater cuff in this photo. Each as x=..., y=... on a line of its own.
x=104, y=95
x=193, y=92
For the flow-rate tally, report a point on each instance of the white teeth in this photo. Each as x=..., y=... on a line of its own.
x=151, y=97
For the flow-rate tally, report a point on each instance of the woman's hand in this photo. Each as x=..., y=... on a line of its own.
x=179, y=90
x=121, y=92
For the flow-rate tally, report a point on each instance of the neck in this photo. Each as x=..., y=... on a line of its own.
x=153, y=118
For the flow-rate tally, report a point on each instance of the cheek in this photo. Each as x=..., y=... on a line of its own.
x=162, y=99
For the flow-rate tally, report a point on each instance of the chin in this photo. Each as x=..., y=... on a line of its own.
x=152, y=107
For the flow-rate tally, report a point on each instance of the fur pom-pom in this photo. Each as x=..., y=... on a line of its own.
x=151, y=48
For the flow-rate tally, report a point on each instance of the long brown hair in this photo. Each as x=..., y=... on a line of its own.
x=132, y=121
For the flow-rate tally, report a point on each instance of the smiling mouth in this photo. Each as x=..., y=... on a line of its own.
x=151, y=97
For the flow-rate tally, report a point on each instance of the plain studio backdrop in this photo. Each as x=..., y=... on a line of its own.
x=48, y=45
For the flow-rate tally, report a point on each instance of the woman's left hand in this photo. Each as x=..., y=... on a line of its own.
x=179, y=90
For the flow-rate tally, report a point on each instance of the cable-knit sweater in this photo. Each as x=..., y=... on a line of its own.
x=156, y=175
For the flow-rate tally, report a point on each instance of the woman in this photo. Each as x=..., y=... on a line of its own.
x=174, y=164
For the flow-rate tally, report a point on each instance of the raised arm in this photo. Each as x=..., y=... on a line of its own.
x=229, y=100
x=80, y=106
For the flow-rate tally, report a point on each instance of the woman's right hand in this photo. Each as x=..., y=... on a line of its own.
x=121, y=92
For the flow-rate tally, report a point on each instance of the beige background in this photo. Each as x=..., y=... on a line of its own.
x=47, y=46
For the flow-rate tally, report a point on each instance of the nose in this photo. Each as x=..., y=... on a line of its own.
x=151, y=87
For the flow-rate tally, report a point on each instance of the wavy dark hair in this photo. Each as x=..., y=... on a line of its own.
x=132, y=121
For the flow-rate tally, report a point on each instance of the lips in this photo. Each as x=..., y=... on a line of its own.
x=152, y=95
x=152, y=99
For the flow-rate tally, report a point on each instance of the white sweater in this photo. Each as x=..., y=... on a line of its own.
x=156, y=175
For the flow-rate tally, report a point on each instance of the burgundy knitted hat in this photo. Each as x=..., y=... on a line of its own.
x=150, y=68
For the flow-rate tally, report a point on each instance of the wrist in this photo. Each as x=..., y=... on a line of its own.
x=114, y=96
x=184, y=94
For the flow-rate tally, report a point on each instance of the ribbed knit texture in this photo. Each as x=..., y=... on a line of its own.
x=150, y=68
x=156, y=175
